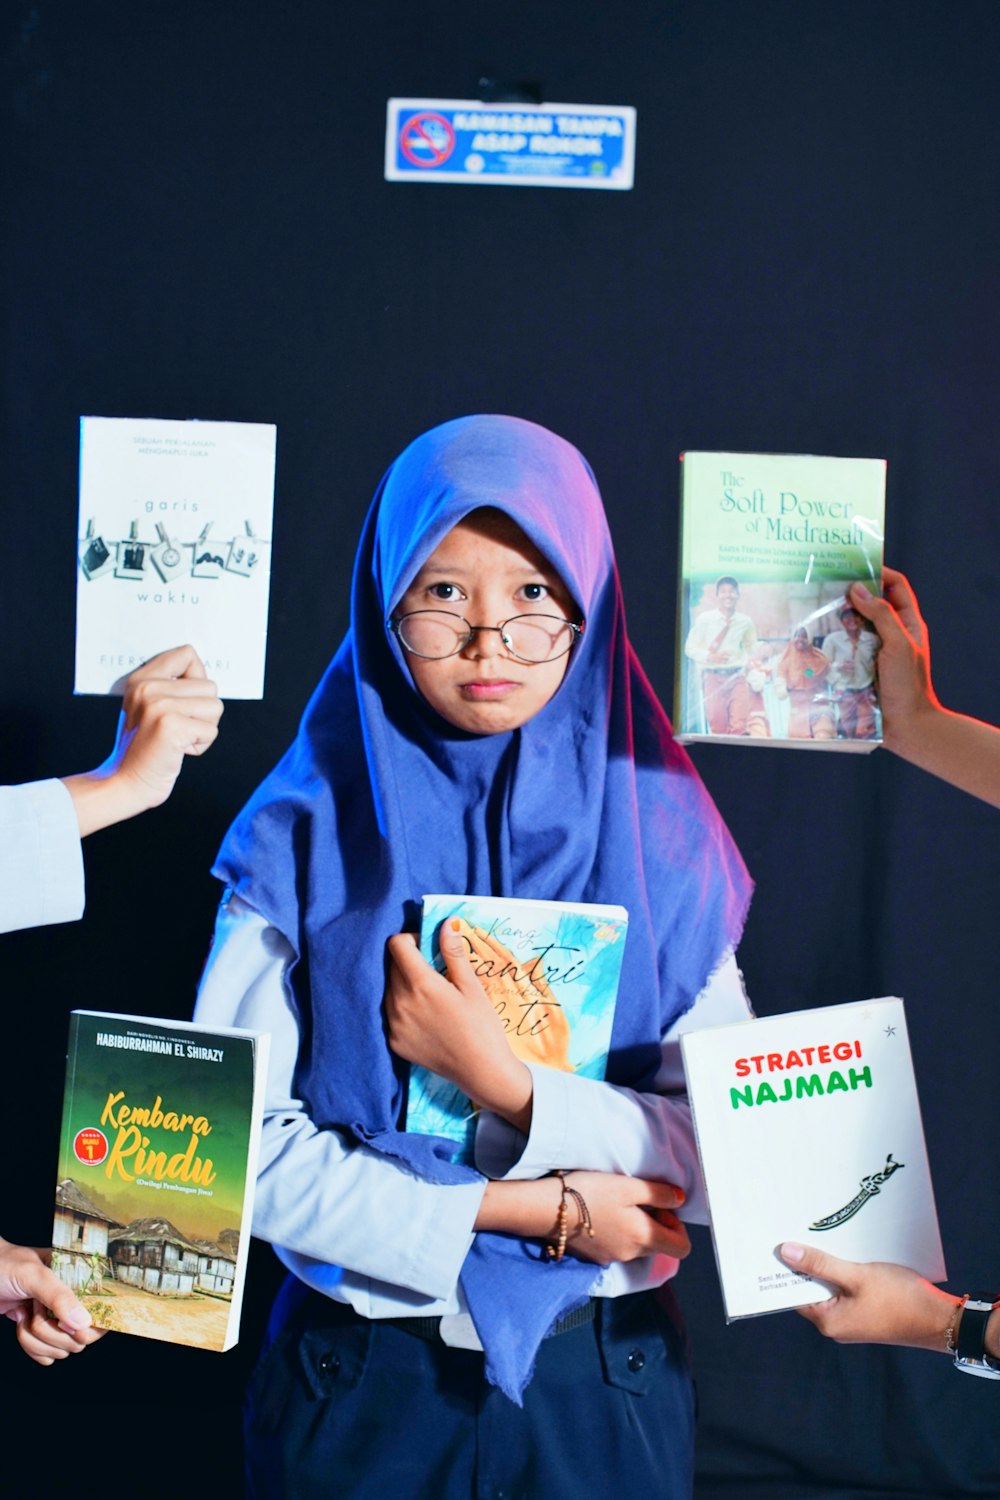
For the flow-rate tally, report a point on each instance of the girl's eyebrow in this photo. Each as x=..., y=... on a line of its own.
x=449, y=570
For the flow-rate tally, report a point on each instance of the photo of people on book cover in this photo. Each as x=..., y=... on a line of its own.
x=551, y=970
x=151, y=1199
x=779, y=661
x=770, y=649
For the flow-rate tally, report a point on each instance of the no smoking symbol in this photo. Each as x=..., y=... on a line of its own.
x=427, y=139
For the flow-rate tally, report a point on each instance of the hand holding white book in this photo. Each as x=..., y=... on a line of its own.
x=809, y=1130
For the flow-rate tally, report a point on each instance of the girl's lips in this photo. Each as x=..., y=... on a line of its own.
x=485, y=692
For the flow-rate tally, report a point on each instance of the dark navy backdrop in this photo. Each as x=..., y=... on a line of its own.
x=197, y=225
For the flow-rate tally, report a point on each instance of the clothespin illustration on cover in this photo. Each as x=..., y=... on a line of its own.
x=207, y=560
x=96, y=557
x=244, y=553
x=168, y=559
x=132, y=555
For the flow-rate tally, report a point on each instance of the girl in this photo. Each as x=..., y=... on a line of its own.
x=484, y=728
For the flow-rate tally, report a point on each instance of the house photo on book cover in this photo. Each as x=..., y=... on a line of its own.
x=157, y=1165
x=769, y=649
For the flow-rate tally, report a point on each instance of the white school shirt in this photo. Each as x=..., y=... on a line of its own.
x=853, y=662
x=735, y=646
x=367, y=1231
x=41, y=858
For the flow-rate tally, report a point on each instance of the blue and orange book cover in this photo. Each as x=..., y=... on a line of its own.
x=551, y=969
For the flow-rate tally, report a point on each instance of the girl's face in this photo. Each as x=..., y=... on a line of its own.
x=486, y=570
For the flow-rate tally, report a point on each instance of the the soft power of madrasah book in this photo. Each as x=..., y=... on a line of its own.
x=808, y=1128
x=173, y=546
x=157, y=1166
x=551, y=969
x=769, y=649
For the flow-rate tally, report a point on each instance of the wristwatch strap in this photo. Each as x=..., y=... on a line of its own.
x=970, y=1351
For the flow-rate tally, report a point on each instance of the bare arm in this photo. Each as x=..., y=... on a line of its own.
x=169, y=710
x=916, y=725
x=879, y=1303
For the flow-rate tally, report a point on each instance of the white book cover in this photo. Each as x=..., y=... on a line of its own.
x=808, y=1127
x=173, y=548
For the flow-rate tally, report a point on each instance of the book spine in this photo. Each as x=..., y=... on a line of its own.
x=69, y=1087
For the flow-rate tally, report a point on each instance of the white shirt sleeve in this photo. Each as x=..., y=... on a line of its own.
x=582, y=1123
x=41, y=858
x=328, y=1205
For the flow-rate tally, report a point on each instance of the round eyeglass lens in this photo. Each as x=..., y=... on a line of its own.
x=433, y=633
x=538, y=637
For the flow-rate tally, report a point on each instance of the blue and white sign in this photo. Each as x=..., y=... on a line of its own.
x=510, y=145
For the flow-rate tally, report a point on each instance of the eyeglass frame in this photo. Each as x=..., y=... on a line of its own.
x=394, y=622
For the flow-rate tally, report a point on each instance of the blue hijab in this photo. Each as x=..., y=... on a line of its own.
x=378, y=801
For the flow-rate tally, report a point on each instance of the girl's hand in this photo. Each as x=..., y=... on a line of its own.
x=535, y=1023
x=447, y=1024
x=630, y=1217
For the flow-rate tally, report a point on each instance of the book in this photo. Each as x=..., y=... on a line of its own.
x=808, y=1129
x=157, y=1166
x=769, y=651
x=551, y=969
x=173, y=546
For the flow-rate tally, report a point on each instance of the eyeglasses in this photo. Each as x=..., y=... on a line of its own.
x=437, y=633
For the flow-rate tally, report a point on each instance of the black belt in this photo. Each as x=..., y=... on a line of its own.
x=430, y=1328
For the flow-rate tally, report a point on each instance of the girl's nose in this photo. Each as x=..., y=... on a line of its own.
x=486, y=641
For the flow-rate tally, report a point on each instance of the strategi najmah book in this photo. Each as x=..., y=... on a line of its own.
x=157, y=1166
x=173, y=547
x=551, y=969
x=769, y=651
x=808, y=1128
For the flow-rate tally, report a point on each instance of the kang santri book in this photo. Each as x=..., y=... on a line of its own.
x=551, y=970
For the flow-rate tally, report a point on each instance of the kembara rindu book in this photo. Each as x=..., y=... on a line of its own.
x=173, y=547
x=551, y=969
x=808, y=1128
x=769, y=651
x=157, y=1165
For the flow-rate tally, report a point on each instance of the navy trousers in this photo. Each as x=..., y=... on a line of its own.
x=346, y=1408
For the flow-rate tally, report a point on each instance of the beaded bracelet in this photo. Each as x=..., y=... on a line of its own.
x=949, y=1337
x=583, y=1221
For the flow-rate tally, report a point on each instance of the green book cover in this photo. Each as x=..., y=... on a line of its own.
x=769, y=650
x=551, y=969
x=157, y=1165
